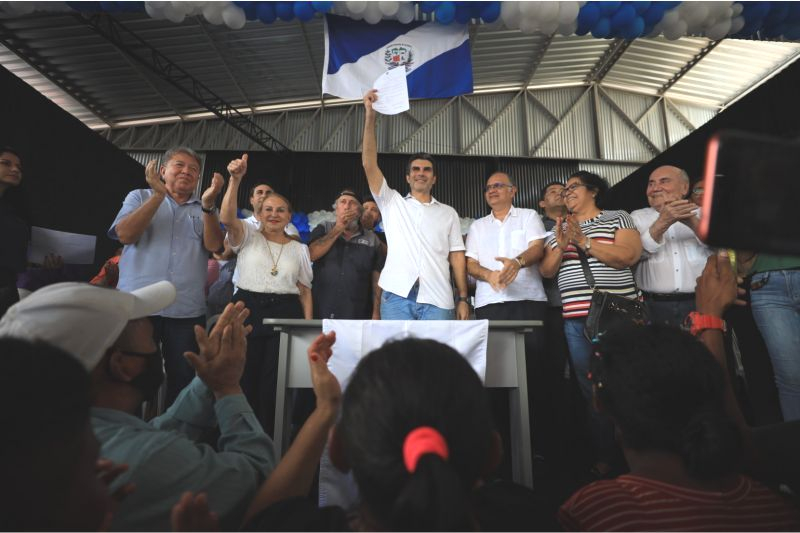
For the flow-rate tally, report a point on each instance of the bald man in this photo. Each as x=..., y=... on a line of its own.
x=673, y=256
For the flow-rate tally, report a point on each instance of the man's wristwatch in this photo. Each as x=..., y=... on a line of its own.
x=520, y=260
x=463, y=299
x=211, y=210
x=697, y=323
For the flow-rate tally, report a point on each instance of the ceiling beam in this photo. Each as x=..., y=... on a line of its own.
x=213, y=43
x=536, y=60
x=143, y=52
x=607, y=60
x=688, y=66
x=43, y=67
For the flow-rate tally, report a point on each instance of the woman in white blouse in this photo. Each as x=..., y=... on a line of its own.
x=274, y=282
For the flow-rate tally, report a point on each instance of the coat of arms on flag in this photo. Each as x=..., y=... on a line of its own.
x=436, y=57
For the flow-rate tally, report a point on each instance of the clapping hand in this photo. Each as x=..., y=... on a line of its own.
x=153, y=178
x=326, y=386
x=210, y=194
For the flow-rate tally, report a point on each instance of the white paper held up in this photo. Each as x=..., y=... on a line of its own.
x=72, y=247
x=392, y=92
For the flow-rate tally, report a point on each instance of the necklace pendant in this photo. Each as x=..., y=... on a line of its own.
x=274, y=271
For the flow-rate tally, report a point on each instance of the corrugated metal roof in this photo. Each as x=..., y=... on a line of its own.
x=281, y=63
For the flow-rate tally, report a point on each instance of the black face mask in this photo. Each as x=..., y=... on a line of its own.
x=149, y=381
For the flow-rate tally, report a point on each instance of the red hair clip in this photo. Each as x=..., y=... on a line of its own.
x=422, y=441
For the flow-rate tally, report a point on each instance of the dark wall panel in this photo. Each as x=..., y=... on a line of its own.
x=73, y=180
x=312, y=180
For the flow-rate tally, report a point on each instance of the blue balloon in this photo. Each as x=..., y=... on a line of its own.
x=609, y=8
x=669, y=5
x=633, y=30
x=777, y=13
x=793, y=33
x=755, y=10
x=428, y=7
x=774, y=30
x=304, y=11
x=653, y=15
x=266, y=12
x=588, y=16
x=490, y=12
x=241, y=4
x=322, y=7
x=284, y=10
x=623, y=17
x=641, y=7
x=463, y=13
x=133, y=7
x=445, y=13
x=602, y=29
x=794, y=13
x=110, y=7
x=250, y=10
x=474, y=7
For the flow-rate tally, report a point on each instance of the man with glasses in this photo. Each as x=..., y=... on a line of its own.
x=347, y=264
x=167, y=232
x=425, y=237
x=673, y=256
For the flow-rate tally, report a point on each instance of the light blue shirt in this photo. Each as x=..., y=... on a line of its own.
x=165, y=459
x=171, y=248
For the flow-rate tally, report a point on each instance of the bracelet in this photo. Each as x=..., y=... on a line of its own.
x=210, y=211
x=463, y=299
x=519, y=261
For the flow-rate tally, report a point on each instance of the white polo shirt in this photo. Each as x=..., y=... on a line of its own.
x=489, y=237
x=420, y=238
x=672, y=265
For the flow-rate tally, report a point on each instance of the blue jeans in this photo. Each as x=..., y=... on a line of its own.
x=580, y=352
x=776, y=310
x=395, y=307
x=671, y=313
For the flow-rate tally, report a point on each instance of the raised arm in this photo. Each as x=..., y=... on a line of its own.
x=130, y=229
x=213, y=238
x=295, y=473
x=369, y=148
x=237, y=169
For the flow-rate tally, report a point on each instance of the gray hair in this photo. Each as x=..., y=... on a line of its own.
x=511, y=179
x=169, y=154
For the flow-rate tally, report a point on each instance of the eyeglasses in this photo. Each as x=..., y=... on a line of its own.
x=571, y=188
x=497, y=186
x=698, y=190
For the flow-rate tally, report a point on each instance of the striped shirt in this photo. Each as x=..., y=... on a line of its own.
x=576, y=294
x=633, y=503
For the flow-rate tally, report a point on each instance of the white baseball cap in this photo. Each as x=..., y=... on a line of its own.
x=82, y=319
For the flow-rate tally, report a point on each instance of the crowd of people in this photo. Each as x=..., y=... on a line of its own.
x=414, y=426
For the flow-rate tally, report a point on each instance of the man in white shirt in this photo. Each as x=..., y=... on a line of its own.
x=424, y=239
x=673, y=257
x=501, y=249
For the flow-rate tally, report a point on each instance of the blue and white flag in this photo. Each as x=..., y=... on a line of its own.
x=436, y=57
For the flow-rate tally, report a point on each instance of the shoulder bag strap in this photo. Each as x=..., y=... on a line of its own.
x=587, y=272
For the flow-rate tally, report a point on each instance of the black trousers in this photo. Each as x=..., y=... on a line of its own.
x=260, y=378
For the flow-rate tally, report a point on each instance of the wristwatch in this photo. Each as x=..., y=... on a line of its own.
x=463, y=299
x=697, y=323
x=209, y=211
x=519, y=259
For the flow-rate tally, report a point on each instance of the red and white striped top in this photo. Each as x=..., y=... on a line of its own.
x=633, y=503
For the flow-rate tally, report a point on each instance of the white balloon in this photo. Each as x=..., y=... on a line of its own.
x=568, y=12
x=568, y=29
x=213, y=14
x=373, y=13
x=737, y=23
x=676, y=31
x=234, y=17
x=548, y=27
x=174, y=15
x=737, y=9
x=670, y=18
x=154, y=11
x=719, y=30
x=527, y=25
x=356, y=7
x=389, y=9
x=509, y=13
x=529, y=9
x=548, y=11
x=406, y=13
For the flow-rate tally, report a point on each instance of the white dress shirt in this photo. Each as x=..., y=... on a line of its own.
x=672, y=265
x=420, y=238
x=489, y=237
